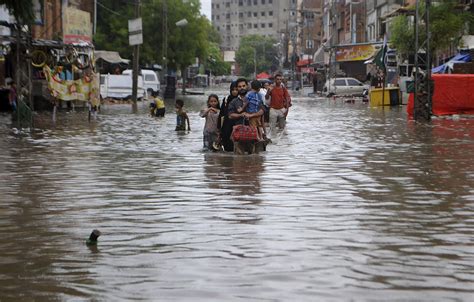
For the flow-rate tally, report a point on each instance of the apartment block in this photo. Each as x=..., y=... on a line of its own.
x=234, y=19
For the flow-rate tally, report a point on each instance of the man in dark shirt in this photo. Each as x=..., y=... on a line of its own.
x=235, y=110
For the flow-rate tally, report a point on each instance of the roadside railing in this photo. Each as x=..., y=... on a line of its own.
x=23, y=115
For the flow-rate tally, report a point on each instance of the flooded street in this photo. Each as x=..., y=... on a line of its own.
x=350, y=204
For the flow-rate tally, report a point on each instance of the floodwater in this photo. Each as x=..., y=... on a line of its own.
x=349, y=204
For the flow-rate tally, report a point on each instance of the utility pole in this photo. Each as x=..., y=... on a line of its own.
x=136, y=53
x=165, y=39
x=423, y=82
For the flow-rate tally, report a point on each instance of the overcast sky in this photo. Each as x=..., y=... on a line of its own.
x=206, y=8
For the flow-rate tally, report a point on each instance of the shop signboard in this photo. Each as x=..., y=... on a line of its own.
x=77, y=27
x=346, y=53
x=135, y=34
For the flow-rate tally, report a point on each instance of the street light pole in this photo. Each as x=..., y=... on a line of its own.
x=136, y=52
x=255, y=62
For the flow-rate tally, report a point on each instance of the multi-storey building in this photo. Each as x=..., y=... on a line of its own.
x=234, y=19
x=312, y=25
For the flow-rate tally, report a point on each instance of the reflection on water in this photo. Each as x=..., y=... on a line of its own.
x=349, y=203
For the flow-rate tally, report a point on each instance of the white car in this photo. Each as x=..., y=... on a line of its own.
x=345, y=86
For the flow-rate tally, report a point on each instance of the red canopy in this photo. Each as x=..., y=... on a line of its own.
x=303, y=62
x=452, y=94
x=263, y=75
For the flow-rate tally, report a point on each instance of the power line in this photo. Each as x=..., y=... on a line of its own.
x=108, y=9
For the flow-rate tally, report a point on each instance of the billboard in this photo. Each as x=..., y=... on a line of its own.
x=356, y=52
x=77, y=26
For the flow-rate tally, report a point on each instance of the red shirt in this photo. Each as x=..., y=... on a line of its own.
x=279, y=95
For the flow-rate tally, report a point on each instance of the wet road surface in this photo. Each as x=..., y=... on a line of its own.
x=349, y=204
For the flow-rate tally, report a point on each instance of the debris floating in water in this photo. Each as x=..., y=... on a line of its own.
x=93, y=237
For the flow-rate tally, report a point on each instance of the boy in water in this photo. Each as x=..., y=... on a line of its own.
x=181, y=116
x=157, y=106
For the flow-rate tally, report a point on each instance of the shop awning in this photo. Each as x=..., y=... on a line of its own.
x=263, y=75
x=112, y=57
x=304, y=62
x=356, y=52
x=448, y=66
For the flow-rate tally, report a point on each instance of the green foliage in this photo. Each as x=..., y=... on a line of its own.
x=446, y=25
x=215, y=61
x=402, y=35
x=256, y=48
x=184, y=43
x=112, y=27
x=22, y=10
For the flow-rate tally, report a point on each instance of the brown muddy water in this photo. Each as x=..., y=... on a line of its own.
x=349, y=204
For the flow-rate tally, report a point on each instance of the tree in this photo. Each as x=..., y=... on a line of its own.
x=112, y=27
x=184, y=43
x=215, y=62
x=22, y=10
x=446, y=22
x=256, y=53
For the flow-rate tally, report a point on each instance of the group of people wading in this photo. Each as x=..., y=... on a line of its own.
x=253, y=105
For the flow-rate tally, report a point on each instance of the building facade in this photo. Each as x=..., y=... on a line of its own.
x=312, y=25
x=234, y=19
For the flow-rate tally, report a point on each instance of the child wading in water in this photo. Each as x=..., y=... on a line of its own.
x=211, y=114
x=157, y=106
x=254, y=107
x=181, y=116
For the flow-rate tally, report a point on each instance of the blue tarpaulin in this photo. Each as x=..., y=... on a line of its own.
x=446, y=67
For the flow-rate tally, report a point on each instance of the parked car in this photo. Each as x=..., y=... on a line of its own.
x=119, y=86
x=345, y=86
x=150, y=79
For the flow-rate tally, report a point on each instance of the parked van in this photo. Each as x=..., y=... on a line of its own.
x=119, y=86
x=150, y=79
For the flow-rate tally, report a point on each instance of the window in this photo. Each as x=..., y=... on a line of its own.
x=353, y=82
x=309, y=44
x=339, y=82
x=227, y=4
x=262, y=25
x=255, y=25
x=150, y=78
x=270, y=1
x=270, y=25
x=255, y=2
x=255, y=14
x=228, y=27
x=249, y=25
x=38, y=12
x=262, y=14
x=249, y=14
x=218, y=17
x=241, y=2
x=227, y=16
x=270, y=13
x=241, y=15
